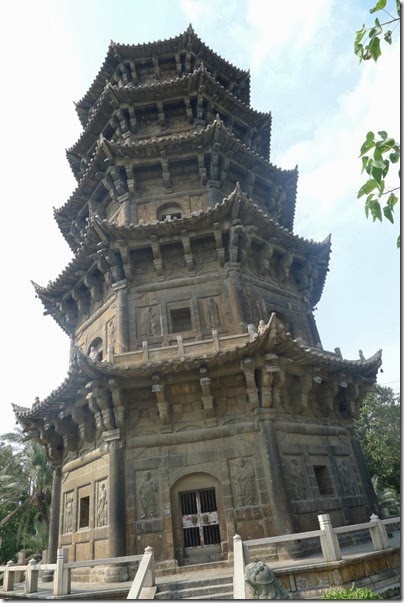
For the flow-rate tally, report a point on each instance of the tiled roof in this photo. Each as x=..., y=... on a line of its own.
x=118, y=52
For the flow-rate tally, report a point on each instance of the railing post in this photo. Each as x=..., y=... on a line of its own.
x=61, y=578
x=378, y=533
x=150, y=579
x=8, y=580
x=328, y=539
x=238, y=575
x=145, y=576
x=20, y=576
x=31, y=579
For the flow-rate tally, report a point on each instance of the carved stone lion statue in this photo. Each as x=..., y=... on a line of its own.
x=263, y=583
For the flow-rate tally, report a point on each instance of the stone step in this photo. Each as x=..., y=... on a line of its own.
x=164, y=569
x=213, y=588
x=196, y=591
x=225, y=595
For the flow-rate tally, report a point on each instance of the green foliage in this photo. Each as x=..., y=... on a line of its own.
x=377, y=156
x=25, y=493
x=385, y=151
x=378, y=428
x=367, y=40
x=387, y=497
x=350, y=592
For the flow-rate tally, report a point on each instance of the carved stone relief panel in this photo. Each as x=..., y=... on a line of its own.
x=243, y=482
x=145, y=213
x=111, y=334
x=297, y=477
x=68, y=512
x=197, y=203
x=148, y=321
x=101, y=518
x=345, y=477
x=209, y=308
x=147, y=495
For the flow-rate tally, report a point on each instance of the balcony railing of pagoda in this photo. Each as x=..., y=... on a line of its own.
x=29, y=573
x=181, y=349
x=328, y=536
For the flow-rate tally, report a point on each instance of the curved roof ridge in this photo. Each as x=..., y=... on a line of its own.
x=217, y=124
x=81, y=253
x=115, y=52
x=110, y=88
x=69, y=382
x=237, y=193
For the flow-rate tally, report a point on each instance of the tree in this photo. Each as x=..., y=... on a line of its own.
x=25, y=494
x=378, y=427
x=378, y=154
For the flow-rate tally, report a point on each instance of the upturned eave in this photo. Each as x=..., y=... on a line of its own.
x=119, y=52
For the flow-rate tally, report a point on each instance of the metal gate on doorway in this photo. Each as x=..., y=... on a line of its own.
x=200, y=520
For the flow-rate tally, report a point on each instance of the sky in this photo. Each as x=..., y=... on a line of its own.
x=303, y=70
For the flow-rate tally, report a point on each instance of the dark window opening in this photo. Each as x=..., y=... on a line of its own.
x=200, y=520
x=180, y=320
x=211, y=534
x=84, y=512
x=323, y=479
x=170, y=216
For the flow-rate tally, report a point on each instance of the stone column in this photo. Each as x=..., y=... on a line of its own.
x=53, y=536
x=234, y=289
x=117, y=507
x=122, y=327
x=372, y=505
x=281, y=508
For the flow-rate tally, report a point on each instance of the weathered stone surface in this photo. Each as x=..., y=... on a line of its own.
x=199, y=401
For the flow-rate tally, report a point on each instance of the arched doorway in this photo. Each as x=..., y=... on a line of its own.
x=198, y=519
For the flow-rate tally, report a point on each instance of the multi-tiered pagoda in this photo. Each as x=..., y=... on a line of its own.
x=199, y=401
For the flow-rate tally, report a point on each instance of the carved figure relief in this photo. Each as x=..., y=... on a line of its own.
x=297, y=478
x=196, y=203
x=111, y=337
x=102, y=506
x=143, y=214
x=68, y=514
x=344, y=473
x=213, y=314
x=147, y=496
x=245, y=479
x=149, y=323
x=262, y=582
x=93, y=354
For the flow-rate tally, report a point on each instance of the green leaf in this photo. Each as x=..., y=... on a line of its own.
x=368, y=187
x=367, y=204
x=378, y=6
x=358, y=50
x=377, y=30
x=377, y=174
x=376, y=210
x=394, y=157
x=374, y=48
x=383, y=134
x=388, y=213
x=387, y=36
x=392, y=200
x=368, y=144
x=359, y=34
x=365, y=159
x=398, y=242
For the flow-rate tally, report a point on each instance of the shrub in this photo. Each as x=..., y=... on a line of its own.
x=350, y=592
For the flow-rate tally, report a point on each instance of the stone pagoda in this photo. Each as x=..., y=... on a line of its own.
x=199, y=402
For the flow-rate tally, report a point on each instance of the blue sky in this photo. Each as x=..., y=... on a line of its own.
x=303, y=70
